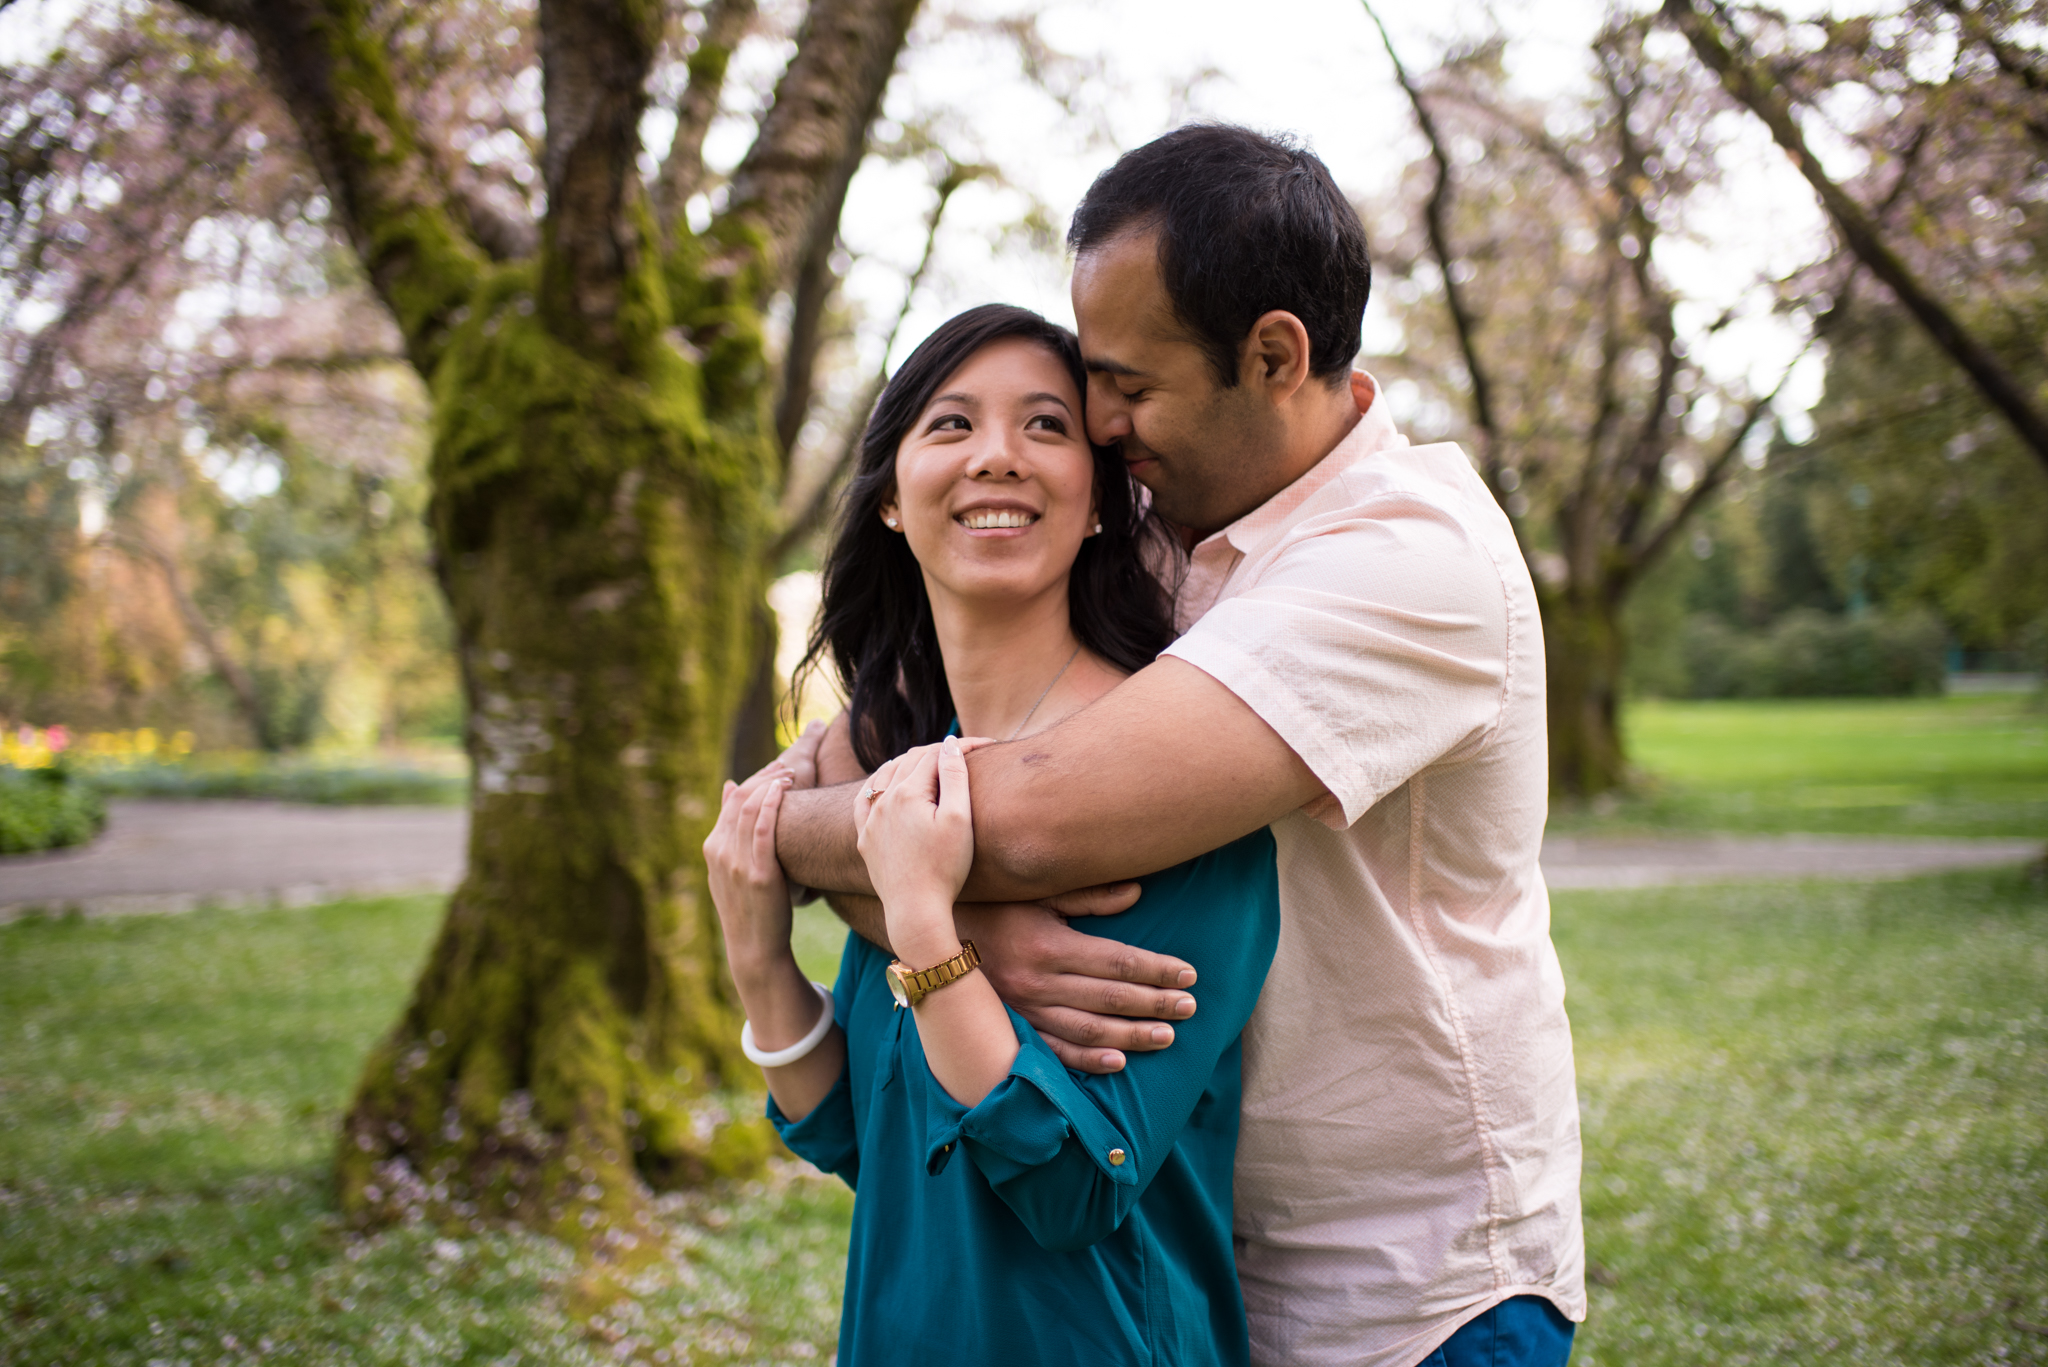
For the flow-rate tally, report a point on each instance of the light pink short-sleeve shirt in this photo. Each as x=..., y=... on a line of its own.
x=1409, y=1154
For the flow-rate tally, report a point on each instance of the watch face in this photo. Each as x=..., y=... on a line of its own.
x=895, y=976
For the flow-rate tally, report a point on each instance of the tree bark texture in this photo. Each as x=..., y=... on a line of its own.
x=1584, y=650
x=604, y=475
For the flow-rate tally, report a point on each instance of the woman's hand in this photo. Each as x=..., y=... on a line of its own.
x=801, y=758
x=752, y=898
x=747, y=885
x=917, y=836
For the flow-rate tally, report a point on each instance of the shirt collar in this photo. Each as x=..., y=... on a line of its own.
x=1374, y=432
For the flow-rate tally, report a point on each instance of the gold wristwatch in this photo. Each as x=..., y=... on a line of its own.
x=909, y=986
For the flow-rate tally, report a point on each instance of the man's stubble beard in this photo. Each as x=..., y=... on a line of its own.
x=1205, y=492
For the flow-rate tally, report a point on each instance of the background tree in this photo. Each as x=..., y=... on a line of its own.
x=208, y=423
x=1945, y=104
x=1541, y=328
x=604, y=471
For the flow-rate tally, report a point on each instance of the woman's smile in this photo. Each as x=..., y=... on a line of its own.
x=997, y=518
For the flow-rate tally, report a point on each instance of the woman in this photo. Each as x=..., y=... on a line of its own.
x=989, y=578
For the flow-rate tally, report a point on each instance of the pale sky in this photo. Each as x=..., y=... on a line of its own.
x=1310, y=67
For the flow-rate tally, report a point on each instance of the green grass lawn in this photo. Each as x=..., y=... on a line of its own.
x=169, y=1093
x=1883, y=766
x=1816, y=1122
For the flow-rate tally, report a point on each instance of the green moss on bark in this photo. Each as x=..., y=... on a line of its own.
x=1584, y=649
x=598, y=530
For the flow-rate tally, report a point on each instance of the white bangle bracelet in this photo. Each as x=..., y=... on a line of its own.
x=782, y=1058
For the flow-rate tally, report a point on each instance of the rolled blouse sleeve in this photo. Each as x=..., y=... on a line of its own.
x=828, y=1137
x=1070, y=1153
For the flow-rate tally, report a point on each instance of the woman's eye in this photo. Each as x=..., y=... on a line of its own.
x=951, y=422
x=1046, y=422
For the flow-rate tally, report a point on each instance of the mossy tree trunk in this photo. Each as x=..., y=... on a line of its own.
x=1584, y=656
x=605, y=475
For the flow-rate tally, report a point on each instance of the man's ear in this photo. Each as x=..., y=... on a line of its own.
x=1276, y=355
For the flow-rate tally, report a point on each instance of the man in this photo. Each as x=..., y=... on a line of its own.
x=1362, y=669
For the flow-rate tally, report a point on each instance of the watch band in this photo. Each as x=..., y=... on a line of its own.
x=917, y=984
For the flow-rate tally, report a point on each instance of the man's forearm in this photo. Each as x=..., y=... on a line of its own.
x=816, y=842
x=1167, y=765
x=863, y=916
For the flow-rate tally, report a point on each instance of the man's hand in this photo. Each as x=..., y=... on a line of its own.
x=1081, y=992
x=801, y=758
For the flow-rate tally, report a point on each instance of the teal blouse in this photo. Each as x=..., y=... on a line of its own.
x=1067, y=1218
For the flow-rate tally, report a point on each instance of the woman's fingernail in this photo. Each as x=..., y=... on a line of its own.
x=1162, y=1034
x=951, y=745
x=1184, y=1007
x=1187, y=978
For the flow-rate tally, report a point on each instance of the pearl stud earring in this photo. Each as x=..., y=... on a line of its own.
x=891, y=521
x=1097, y=531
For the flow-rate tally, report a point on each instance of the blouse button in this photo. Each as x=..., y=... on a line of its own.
x=1116, y=1158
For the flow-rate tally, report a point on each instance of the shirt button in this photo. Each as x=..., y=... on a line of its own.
x=1116, y=1158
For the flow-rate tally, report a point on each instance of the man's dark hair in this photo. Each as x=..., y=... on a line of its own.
x=1247, y=223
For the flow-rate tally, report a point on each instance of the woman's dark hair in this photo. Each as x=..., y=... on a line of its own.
x=875, y=623
x=1247, y=223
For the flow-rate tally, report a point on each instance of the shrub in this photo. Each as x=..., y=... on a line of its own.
x=41, y=809
x=284, y=779
x=1809, y=654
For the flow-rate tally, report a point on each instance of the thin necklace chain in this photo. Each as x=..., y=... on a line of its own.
x=1048, y=691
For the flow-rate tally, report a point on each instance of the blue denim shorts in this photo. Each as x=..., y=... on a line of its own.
x=1527, y=1331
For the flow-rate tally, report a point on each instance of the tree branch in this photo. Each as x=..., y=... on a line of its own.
x=815, y=282
x=804, y=519
x=1755, y=90
x=1641, y=466
x=595, y=57
x=338, y=87
x=824, y=103
x=1436, y=215
x=682, y=171
x=503, y=236
x=1642, y=556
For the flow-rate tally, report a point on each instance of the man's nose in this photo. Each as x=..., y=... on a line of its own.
x=1109, y=414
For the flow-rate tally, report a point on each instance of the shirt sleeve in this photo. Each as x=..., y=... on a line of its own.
x=1375, y=643
x=1071, y=1153
x=829, y=1137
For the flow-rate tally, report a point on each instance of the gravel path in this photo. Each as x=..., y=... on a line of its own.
x=1607, y=861
x=173, y=856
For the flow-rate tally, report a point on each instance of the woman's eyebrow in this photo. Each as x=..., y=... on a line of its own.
x=968, y=399
x=1049, y=398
